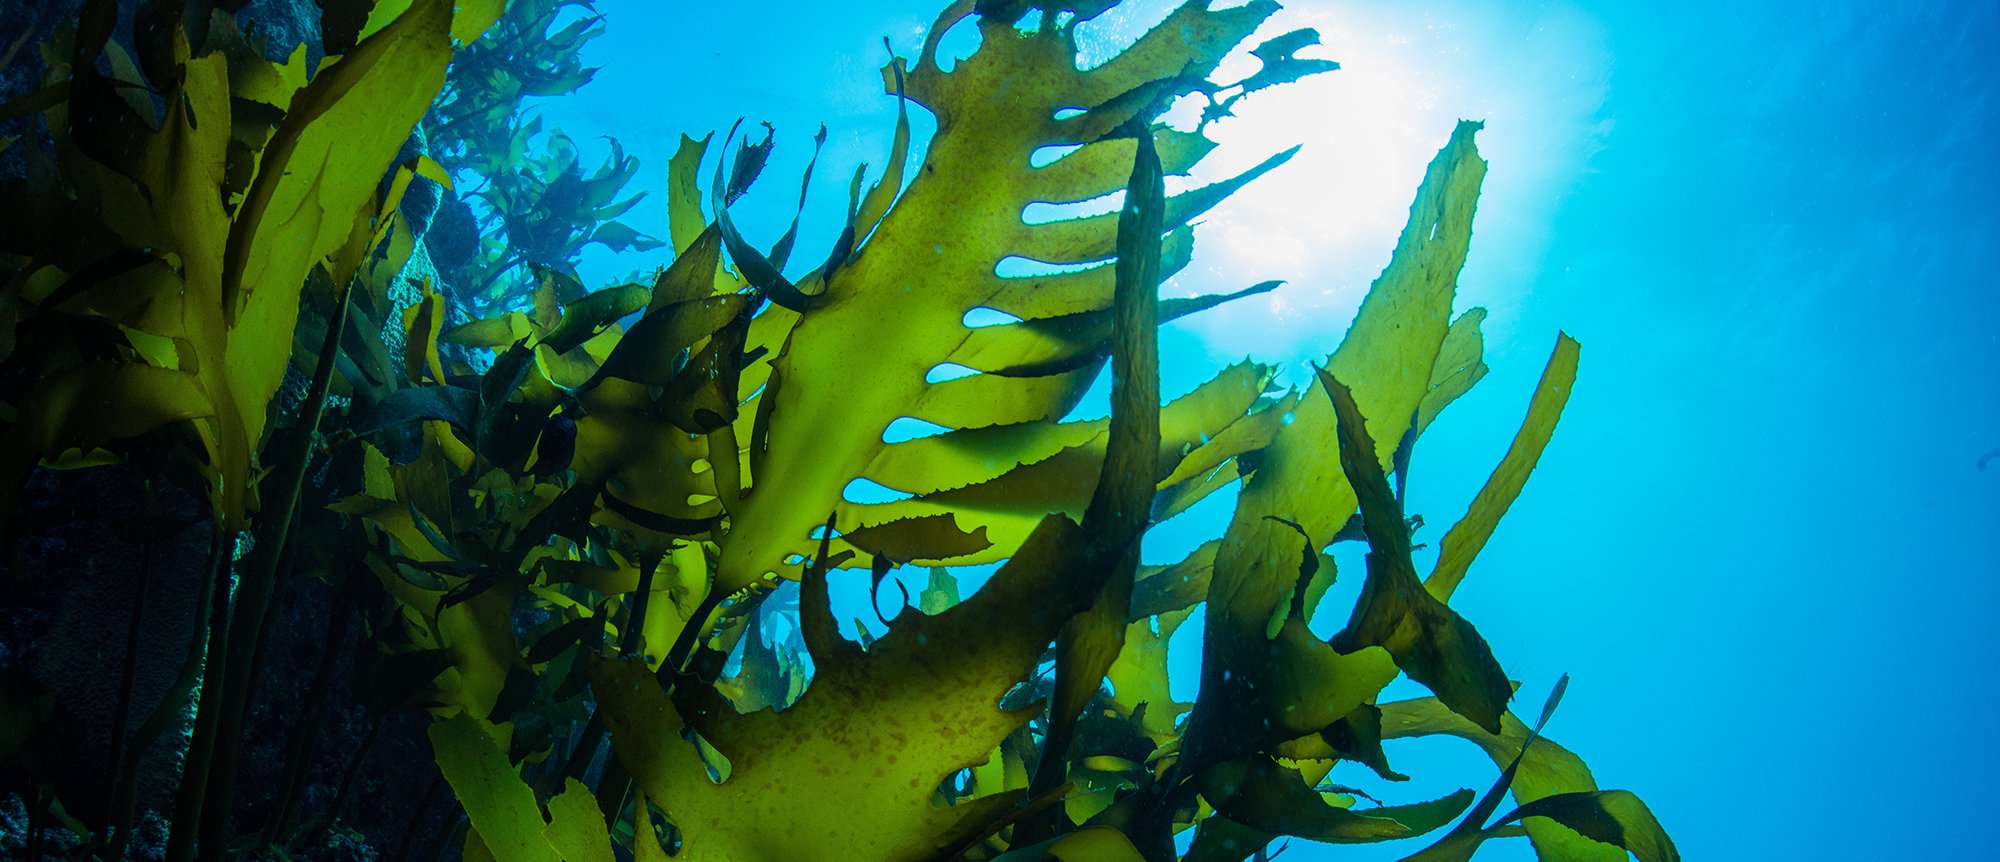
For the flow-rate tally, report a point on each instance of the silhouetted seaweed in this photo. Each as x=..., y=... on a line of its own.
x=619, y=527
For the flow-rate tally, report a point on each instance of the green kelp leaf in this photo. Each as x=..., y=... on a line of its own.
x=748, y=163
x=977, y=456
x=646, y=845
x=474, y=17
x=1430, y=641
x=986, y=817
x=623, y=440
x=1357, y=736
x=920, y=537
x=476, y=633
x=940, y=593
x=1546, y=769
x=693, y=274
x=782, y=251
x=232, y=296
x=472, y=20
x=1121, y=504
x=684, y=216
x=865, y=212
x=323, y=163
x=649, y=353
x=767, y=678
x=34, y=102
x=559, y=639
x=857, y=759
x=1090, y=844
x=557, y=85
x=657, y=522
x=1182, y=585
x=1139, y=677
x=576, y=829
x=423, y=322
x=1304, y=685
x=86, y=406
x=1467, y=537
x=704, y=397
x=679, y=317
x=395, y=680
x=586, y=317
x=1220, y=839
x=1460, y=364
x=628, y=435
x=764, y=274
x=1214, y=462
x=1463, y=840
x=620, y=237
x=1263, y=795
x=1279, y=64
x=1255, y=689
x=170, y=204
x=1057, y=345
x=1615, y=817
x=1017, y=483
x=453, y=405
x=499, y=804
x=341, y=23
x=895, y=309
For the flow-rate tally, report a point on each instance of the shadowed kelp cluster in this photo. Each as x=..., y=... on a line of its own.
x=589, y=538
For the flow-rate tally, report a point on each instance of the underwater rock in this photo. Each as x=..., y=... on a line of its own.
x=278, y=27
x=453, y=237
x=390, y=786
x=420, y=201
x=87, y=539
x=21, y=71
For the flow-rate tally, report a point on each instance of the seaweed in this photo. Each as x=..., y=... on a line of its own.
x=592, y=540
x=537, y=207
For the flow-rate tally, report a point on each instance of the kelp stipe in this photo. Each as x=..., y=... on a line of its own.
x=559, y=548
x=159, y=262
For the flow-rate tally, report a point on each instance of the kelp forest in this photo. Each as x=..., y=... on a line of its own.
x=345, y=522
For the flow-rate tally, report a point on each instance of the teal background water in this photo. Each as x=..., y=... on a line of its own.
x=1761, y=541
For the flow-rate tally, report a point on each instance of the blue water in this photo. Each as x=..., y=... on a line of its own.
x=1760, y=542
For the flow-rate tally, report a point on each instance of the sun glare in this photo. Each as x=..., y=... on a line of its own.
x=1327, y=221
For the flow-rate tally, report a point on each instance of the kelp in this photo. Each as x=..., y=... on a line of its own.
x=537, y=206
x=221, y=291
x=615, y=518
x=168, y=260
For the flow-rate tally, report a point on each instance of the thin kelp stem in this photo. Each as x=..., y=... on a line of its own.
x=631, y=642
x=353, y=768
x=494, y=274
x=684, y=643
x=448, y=837
x=417, y=816
x=728, y=471
x=37, y=817
x=122, y=718
x=585, y=751
x=124, y=797
x=237, y=657
x=218, y=811
x=635, y=624
x=214, y=624
x=305, y=731
x=615, y=778
x=1119, y=509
